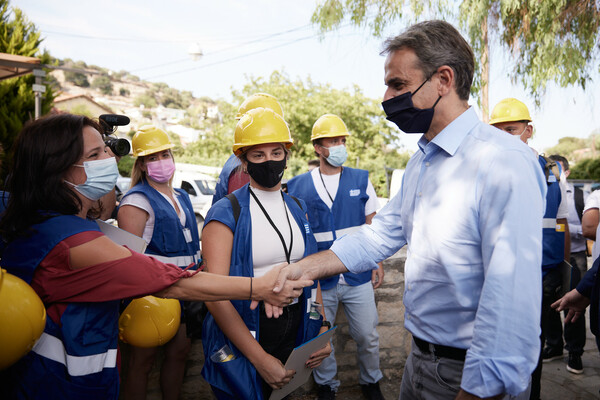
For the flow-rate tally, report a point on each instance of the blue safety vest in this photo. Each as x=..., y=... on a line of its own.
x=345, y=216
x=222, y=187
x=238, y=377
x=75, y=358
x=169, y=243
x=553, y=240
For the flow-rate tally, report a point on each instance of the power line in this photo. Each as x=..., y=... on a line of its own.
x=120, y=39
x=230, y=59
x=238, y=46
x=260, y=39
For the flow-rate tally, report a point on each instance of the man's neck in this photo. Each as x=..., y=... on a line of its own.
x=444, y=116
x=328, y=169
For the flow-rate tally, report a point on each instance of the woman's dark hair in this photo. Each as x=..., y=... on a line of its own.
x=43, y=152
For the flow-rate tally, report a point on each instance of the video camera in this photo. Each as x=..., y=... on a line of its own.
x=120, y=147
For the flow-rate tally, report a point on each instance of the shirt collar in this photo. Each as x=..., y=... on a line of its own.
x=454, y=133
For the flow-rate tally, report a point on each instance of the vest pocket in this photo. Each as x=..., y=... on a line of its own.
x=239, y=378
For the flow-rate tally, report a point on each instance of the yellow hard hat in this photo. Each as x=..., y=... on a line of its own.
x=509, y=110
x=150, y=139
x=329, y=125
x=22, y=318
x=263, y=100
x=149, y=321
x=259, y=126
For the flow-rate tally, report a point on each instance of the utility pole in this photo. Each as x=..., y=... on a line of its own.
x=38, y=89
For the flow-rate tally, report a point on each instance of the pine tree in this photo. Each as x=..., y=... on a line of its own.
x=20, y=37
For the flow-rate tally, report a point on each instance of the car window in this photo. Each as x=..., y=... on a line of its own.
x=207, y=187
x=188, y=188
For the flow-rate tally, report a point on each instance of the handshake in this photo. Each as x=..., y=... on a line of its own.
x=279, y=287
x=286, y=281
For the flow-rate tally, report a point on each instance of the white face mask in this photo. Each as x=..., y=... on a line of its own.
x=101, y=178
x=337, y=155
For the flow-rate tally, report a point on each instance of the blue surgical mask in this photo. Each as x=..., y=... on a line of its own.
x=101, y=178
x=337, y=155
x=401, y=111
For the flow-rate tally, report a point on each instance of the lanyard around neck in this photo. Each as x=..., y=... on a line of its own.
x=288, y=252
x=329, y=194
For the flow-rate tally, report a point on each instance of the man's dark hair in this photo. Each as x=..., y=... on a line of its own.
x=563, y=160
x=438, y=43
x=314, y=162
x=45, y=149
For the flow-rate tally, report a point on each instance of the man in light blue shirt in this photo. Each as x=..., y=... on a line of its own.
x=470, y=210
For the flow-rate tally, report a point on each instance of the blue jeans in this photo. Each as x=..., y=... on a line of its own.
x=361, y=312
x=427, y=377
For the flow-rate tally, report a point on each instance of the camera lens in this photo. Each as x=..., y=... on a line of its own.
x=119, y=147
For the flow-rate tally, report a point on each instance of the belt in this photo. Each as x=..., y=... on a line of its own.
x=440, y=351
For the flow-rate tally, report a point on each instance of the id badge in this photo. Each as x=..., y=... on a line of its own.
x=187, y=234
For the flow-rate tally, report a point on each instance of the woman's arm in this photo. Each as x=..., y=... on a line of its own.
x=589, y=223
x=104, y=256
x=132, y=219
x=318, y=356
x=217, y=244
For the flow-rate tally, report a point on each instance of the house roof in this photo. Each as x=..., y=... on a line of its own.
x=62, y=98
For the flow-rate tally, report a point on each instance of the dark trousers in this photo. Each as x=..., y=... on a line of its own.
x=551, y=287
x=574, y=333
x=278, y=335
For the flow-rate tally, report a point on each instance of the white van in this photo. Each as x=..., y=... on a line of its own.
x=201, y=188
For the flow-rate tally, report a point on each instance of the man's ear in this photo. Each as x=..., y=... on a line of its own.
x=528, y=133
x=317, y=148
x=446, y=80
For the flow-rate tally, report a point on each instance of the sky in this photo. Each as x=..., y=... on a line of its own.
x=241, y=39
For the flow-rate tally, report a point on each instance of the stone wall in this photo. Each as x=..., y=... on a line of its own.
x=394, y=345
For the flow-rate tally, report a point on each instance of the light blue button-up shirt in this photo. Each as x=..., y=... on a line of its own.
x=470, y=209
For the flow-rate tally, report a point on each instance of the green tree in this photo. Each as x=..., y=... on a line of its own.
x=104, y=84
x=586, y=169
x=75, y=77
x=18, y=36
x=147, y=99
x=567, y=146
x=125, y=165
x=545, y=41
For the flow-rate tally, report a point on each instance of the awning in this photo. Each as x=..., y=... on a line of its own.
x=12, y=65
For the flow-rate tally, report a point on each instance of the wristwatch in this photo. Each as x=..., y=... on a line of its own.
x=326, y=323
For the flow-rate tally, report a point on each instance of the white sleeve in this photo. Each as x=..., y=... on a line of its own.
x=372, y=204
x=140, y=201
x=137, y=200
x=563, y=207
x=592, y=201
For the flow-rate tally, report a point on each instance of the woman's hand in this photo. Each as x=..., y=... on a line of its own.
x=318, y=356
x=273, y=372
x=263, y=289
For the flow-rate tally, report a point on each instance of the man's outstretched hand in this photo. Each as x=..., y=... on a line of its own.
x=279, y=291
x=573, y=301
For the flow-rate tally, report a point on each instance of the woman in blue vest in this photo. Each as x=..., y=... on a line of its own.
x=246, y=234
x=59, y=172
x=164, y=218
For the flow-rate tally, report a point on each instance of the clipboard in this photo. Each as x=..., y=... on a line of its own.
x=296, y=361
x=569, y=275
x=121, y=237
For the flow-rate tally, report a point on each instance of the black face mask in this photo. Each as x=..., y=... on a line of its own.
x=267, y=174
x=401, y=111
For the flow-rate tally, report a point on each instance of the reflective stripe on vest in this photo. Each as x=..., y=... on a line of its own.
x=328, y=236
x=180, y=261
x=51, y=347
x=549, y=223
